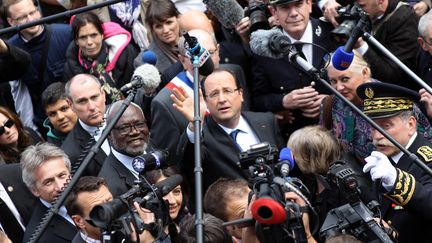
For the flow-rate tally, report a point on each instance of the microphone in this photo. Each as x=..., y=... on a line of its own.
x=150, y=161
x=344, y=55
x=286, y=161
x=149, y=57
x=262, y=43
x=146, y=76
x=228, y=12
x=195, y=49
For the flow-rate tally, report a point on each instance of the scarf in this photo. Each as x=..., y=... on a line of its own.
x=96, y=67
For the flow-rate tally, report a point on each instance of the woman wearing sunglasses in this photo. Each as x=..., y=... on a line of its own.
x=14, y=138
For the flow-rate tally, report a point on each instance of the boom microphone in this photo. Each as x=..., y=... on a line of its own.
x=228, y=12
x=262, y=43
x=195, y=49
x=150, y=161
x=163, y=187
x=344, y=55
x=146, y=76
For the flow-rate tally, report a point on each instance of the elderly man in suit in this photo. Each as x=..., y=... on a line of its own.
x=46, y=171
x=129, y=138
x=227, y=131
x=87, y=98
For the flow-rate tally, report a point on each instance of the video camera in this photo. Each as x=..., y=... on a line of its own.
x=258, y=13
x=348, y=18
x=277, y=220
x=354, y=217
x=117, y=215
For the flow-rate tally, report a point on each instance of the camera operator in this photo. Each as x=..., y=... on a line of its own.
x=406, y=187
x=87, y=193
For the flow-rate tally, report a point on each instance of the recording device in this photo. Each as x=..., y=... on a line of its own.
x=286, y=162
x=118, y=214
x=355, y=217
x=350, y=30
x=146, y=76
x=228, y=12
x=149, y=57
x=195, y=50
x=150, y=161
x=258, y=13
x=277, y=220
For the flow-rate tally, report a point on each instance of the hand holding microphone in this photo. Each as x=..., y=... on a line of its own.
x=380, y=167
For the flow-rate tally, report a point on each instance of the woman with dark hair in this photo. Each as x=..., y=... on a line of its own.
x=177, y=200
x=162, y=17
x=14, y=138
x=103, y=50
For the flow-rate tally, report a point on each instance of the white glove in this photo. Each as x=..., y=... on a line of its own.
x=380, y=167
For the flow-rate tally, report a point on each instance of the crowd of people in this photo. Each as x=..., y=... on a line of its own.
x=62, y=88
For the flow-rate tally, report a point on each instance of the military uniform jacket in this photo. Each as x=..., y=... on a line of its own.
x=409, y=209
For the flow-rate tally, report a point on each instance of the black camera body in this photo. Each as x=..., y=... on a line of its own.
x=258, y=13
x=355, y=217
x=258, y=154
x=348, y=18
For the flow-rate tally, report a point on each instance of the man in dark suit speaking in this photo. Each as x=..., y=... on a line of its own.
x=226, y=131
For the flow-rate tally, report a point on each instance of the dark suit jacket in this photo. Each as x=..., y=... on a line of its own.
x=117, y=176
x=22, y=198
x=220, y=154
x=414, y=219
x=274, y=78
x=76, y=144
x=59, y=229
x=424, y=66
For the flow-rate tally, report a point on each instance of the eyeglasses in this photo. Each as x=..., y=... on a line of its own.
x=9, y=123
x=427, y=42
x=126, y=129
x=226, y=92
x=24, y=17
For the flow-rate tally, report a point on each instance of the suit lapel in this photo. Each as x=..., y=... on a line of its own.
x=122, y=172
x=317, y=53
x=260, y=128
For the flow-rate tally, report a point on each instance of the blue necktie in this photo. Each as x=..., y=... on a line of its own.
x=233, y=134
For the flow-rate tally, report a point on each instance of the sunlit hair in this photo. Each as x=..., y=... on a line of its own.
x=424, y=22
x=314, y=148
x=160, y=10
x=11, y=153
x=35, y=156
x=358, y=64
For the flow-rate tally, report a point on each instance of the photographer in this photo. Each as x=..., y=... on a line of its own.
x=176, y=199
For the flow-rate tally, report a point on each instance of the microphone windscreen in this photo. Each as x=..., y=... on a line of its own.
x=207, y=68
x=286, y=155
x=260, y=43
x=228, y=12
x=341, y=59
x=149, y=57
x=150, y=76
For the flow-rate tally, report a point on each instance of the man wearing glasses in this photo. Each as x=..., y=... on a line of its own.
x=47, y=46
x=129, y=138
x=226, y=132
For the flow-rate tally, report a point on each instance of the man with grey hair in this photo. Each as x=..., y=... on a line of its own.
x=46, y=171
x=129, y=138
x=424, y=58
x=87, y=99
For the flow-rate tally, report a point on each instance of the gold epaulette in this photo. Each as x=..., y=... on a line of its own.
x=404, y=188
x=426, y=153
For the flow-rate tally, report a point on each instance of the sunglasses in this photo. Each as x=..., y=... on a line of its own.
x=9, y=123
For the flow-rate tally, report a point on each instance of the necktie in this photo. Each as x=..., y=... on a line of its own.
x=9, y=223
x=233, y=134
x=299, y=47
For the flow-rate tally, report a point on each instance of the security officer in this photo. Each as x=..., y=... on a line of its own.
x=407, y=188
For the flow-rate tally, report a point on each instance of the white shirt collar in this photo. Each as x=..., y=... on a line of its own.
x=91, y=129
x=399, y=155
x=87, y=238
x=62, y=211
x=126, y=161
x=242, y=125
x=307, y=37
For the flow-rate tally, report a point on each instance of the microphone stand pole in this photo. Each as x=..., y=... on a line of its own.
x=65, y=14
x=197, y=153
x=43, y=224
x=375, y=43
x=314, y=73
